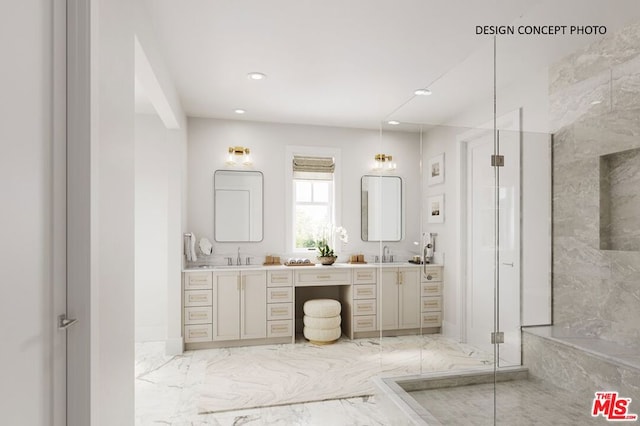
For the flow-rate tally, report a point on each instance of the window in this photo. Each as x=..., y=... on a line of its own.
x=313, y=198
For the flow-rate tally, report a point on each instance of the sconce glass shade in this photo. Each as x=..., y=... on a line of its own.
x=239, y=155
x=383, y=163
x=247, y=158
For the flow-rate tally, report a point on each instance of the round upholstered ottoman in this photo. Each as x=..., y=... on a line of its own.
x=322, y=321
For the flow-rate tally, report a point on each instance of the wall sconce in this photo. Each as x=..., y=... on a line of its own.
x=383, y=163
x=239, y=155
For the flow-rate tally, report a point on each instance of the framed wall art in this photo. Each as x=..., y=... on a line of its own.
x=435, y=170
x=435, y=209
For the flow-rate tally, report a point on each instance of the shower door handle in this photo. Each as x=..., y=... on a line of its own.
x=508, y=264
x=64, y=323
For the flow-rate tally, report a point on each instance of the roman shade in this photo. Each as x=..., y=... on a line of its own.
x=317, y=168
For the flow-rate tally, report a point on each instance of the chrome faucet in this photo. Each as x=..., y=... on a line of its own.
x=238, y=258
x=385, y=254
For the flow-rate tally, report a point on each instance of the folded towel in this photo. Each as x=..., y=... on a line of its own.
x=187, y=240
x=190, y=247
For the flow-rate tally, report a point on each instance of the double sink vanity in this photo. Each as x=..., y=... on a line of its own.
x=254, y=304
x=251, y=305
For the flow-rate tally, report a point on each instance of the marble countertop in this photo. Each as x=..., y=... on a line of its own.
x=281, y=267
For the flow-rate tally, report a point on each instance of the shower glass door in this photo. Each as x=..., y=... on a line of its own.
x=436, y=319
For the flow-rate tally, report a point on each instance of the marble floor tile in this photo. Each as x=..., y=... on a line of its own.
x=287, y=374
x=171, y=389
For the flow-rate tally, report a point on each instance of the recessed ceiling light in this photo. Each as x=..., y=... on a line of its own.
x=239, y=111
x=393, y=122
x=256, y=76
x=422, y=92
x=596, y=102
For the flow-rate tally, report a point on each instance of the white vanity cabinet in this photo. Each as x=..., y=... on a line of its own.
x=279, y=303
x=239, y=305
x=431, y=297
x=198, y=307
x=360, y=303
x=400, y=298
x=224, y=306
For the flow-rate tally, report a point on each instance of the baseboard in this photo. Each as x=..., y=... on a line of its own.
x=174, y=346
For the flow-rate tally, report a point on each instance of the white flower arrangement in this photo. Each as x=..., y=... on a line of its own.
x=322, y=244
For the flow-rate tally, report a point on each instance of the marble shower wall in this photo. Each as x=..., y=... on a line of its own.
x=597, y=291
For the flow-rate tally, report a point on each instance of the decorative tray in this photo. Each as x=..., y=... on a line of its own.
x=299, y=264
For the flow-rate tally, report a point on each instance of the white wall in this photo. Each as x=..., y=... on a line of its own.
x=440, y=140
x=158, y=246
x=28, y=225
x=532, y=96
x=160, y=195
x=112, y=213
x=208, y=143
x=176, y=224
x=151, y=216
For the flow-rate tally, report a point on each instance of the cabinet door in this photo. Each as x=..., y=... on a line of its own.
x=389, y=299
x=253, y=324
x=226, y=306
x=409, y=294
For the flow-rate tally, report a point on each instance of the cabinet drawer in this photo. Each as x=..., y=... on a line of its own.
x=197, y=333
x=279, y=328
x=432, y=273
x=197, y=298
x=198, y=315
x=431, y=289
x=364, y=323
x=432, y=319
x=364, y=291
x=319, y=276
x=364, y=276
x=364, y=307
x=279, y=278
x=198, y=281
x=279, y=294
x=279, y=311
x=430, y=304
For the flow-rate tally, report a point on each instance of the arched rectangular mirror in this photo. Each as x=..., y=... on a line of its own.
x=238, y=206
x=381, y=208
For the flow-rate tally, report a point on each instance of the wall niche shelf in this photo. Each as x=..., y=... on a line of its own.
x=620, y=201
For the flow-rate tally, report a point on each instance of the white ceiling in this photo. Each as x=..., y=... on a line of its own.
x=354, y=63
